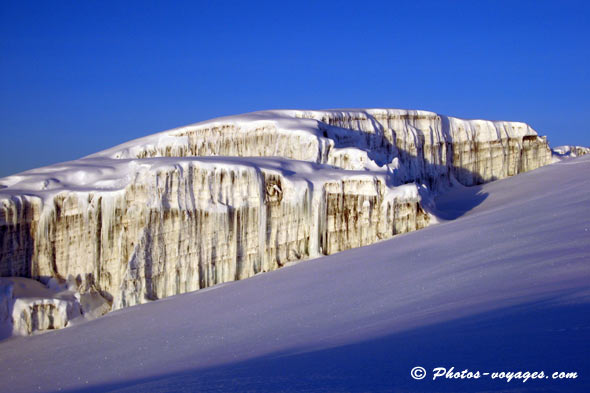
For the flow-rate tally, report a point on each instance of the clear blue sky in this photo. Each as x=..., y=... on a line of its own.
x=81, y=76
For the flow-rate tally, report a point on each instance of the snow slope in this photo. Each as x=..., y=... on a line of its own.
x=503, y=285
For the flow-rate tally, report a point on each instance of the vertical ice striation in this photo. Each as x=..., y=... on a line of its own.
x=226, y=199
x=28, y=306
x=429, y=147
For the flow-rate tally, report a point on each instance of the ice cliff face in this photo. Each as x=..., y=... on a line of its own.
x=229, y=198
x=186, y=224
x=427, y=146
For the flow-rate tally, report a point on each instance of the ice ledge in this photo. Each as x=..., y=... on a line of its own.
x=28, y=306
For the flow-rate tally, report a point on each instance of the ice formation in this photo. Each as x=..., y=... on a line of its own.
x=228, y=198
x=28, y=306
x=571, y=151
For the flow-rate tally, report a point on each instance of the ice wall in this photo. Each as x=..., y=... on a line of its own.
x=416, y=145
x=232, y=197
x=189, y=224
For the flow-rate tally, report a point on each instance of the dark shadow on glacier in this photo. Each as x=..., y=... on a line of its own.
x=17, y=243
x=539, y=336
x=458, y=201
x=382, y=151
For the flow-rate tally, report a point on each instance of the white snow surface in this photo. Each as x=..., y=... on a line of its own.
x=502, y=283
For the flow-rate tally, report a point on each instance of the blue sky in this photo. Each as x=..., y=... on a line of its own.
x=78, y=77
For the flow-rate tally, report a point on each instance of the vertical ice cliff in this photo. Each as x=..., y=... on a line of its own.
x=232, y=197
x=418, y=145
x=189, y=224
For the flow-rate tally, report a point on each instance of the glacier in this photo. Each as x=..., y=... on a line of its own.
x=228, y=198
x=501, y=285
